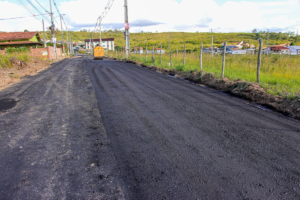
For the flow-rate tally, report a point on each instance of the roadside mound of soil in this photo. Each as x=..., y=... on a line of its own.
x=21, y=69
x=246, y=90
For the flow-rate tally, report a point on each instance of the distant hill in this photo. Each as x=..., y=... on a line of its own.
x=192, y=40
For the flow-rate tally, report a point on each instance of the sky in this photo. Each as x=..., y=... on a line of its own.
x=156, y=15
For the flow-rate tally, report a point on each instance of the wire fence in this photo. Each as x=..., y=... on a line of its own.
x=279, y=73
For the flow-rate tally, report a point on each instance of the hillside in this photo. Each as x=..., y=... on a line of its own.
x=192, y=40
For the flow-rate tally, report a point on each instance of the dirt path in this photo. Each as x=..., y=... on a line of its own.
x=86, y=129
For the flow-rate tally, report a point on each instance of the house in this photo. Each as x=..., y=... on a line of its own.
x=138, y=49
x=107, y=43
x=208, y=50
x=280, y=50
x=295, y=50
x=158, y=51
x=250, y=51
x=236, y=51
x=20, y=39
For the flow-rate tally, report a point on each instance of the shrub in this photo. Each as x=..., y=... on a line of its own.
x=17, y=50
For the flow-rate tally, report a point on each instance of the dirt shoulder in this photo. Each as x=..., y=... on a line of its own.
x=246, y=90
x=9, y=76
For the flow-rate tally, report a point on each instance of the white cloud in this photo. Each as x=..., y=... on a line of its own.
x=170, y=15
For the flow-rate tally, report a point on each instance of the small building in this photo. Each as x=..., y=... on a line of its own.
x=20, y=39
x=236, y=51
x=138, y=49
x=280, y=50
x=295, y=50
x=158, y=51
x=107, y=43
x=250, y=51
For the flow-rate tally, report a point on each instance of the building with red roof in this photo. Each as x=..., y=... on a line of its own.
x=19, y=39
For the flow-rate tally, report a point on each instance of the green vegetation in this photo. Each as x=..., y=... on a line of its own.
x=4, y=60
x=192, y=40
x=280, y=74
x=17, y=50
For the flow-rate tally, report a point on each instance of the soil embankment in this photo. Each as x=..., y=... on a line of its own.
x=21, y=69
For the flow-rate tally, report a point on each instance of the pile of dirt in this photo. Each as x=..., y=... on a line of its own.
x=246, y=90
x=16, y=62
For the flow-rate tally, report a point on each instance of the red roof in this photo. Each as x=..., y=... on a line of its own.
x=278, y=48
x=19, y=42
x=97, y=40
x=18, y=35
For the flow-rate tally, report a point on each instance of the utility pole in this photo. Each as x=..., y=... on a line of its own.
x=126, y=30
x=268, y=43
x=44, y=34
x=100, y=41
x=62, y=32
x=53, y=31
x=212, y=44
x=68, y=41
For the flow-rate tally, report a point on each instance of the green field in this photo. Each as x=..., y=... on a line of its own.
x=280, y=74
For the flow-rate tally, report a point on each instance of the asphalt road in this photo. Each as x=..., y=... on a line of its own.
x=86, y=129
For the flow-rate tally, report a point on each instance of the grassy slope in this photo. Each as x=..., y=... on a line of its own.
x=192, y=40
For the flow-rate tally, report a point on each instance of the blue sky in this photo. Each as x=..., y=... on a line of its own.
x=195, y=15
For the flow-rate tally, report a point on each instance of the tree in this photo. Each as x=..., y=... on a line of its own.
x=26, y=30
x=254, y=31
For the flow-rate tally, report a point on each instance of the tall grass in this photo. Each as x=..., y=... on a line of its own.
x=4, y=59
x=280, y=74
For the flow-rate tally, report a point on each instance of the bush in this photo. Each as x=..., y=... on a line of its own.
x=17, y=50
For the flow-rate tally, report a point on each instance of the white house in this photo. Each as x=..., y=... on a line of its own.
x=295, y=50
x=107, y=43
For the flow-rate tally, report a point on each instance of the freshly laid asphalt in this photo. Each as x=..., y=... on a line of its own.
x=85, y=129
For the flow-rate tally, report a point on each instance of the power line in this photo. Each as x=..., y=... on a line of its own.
x=24, y=5
x=22, y=17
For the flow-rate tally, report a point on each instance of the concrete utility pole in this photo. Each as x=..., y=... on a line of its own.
x=53, y=30
x=126, y=30
x=44, y=34
x=223, y=63
x=68, y=41
x=259, y=60
x=212, y=44
x=62, y=32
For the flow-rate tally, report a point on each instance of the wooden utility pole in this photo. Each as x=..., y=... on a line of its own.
x=62, y=32
x=212, y=44
x=44, y=34
x=160, y=53
x=223, y=63
x=126, y=29
x=184, y=55
x=201, y=50
x=259, y=59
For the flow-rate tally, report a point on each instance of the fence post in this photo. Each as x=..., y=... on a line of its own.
x=140, y=53
x=153, y=53
x=201, y=49
x=170, y=55
x=223, y=63
x=146, y=52
x=184, y=55
x=160, y=53
x=259, y=59
x=177, y=50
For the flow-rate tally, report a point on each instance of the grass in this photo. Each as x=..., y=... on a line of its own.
x=280, y=74
x=4, y=59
